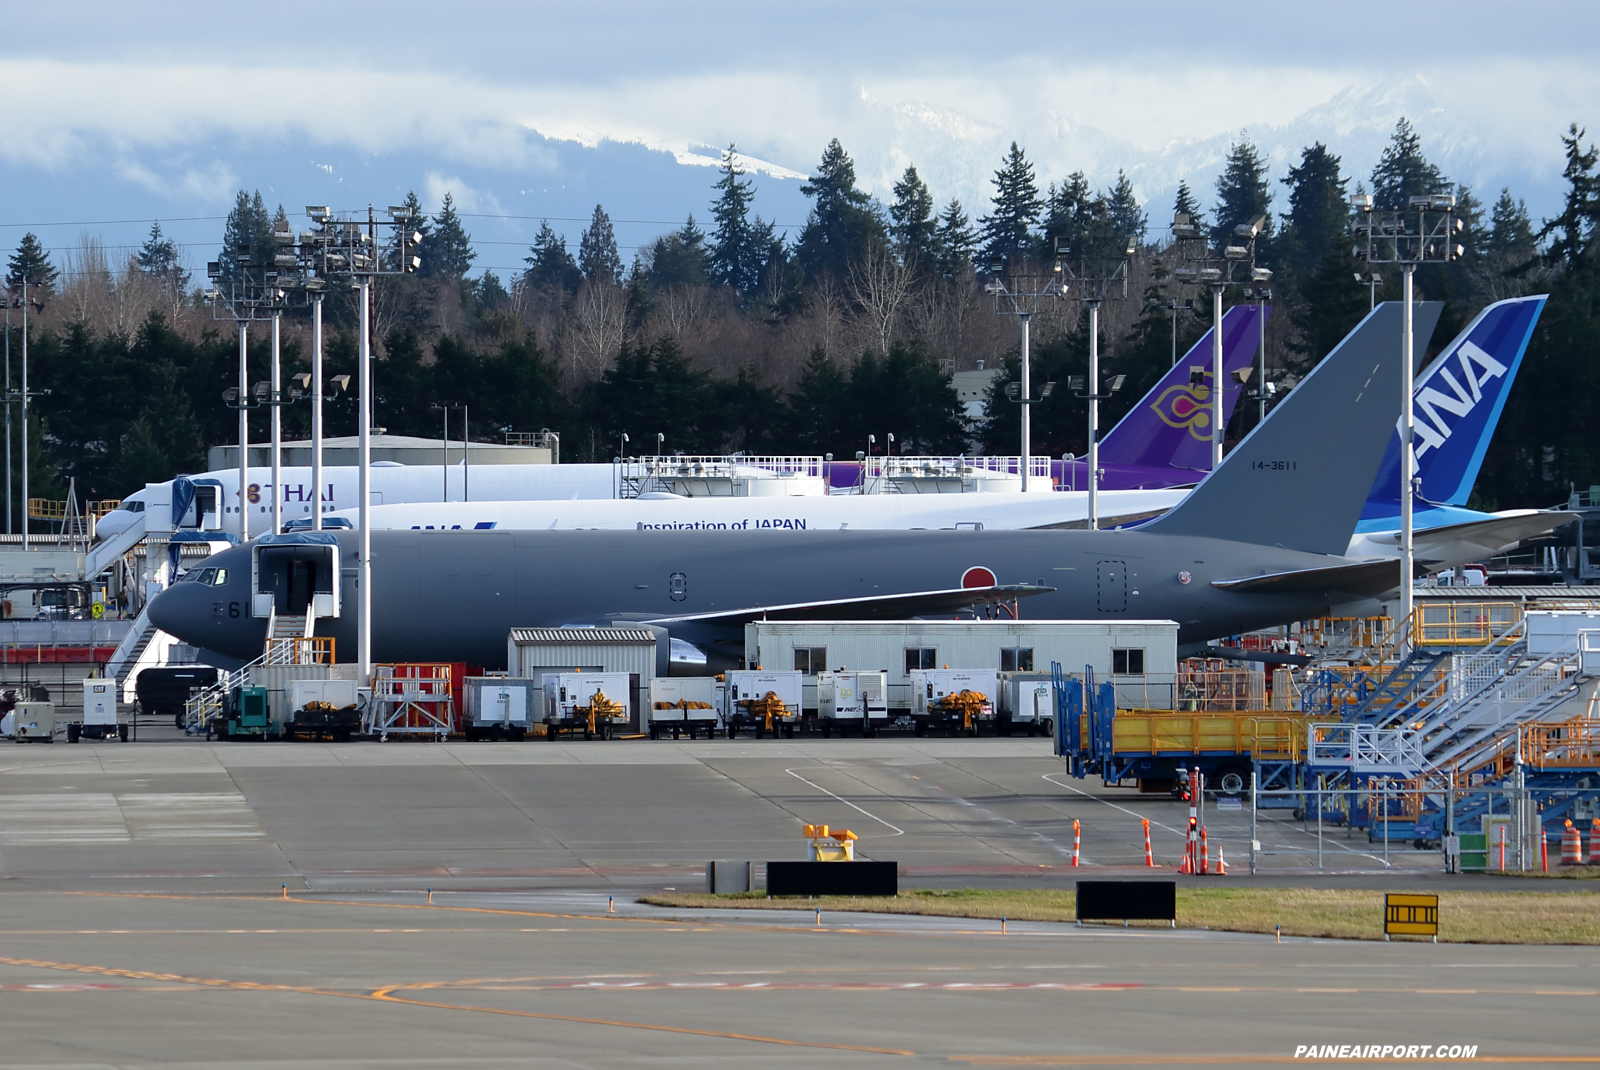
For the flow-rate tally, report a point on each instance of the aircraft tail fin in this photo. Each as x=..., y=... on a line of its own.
x=1171, y=425
x=1457, y=405
x=1299, y=479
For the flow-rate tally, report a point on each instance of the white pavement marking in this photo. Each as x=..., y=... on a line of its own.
x=1177, y=832
x=847, y=802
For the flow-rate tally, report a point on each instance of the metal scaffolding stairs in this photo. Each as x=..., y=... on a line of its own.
x=1535, y=693
x=1399, y=690
x=143, y=646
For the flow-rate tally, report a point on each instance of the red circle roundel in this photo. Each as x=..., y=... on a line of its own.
x=977, y=576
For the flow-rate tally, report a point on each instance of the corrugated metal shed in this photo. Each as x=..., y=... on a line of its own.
x=531, y=651
x=582, y=636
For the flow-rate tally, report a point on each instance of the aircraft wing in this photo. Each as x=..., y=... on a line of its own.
x=872, y=607
x=1474, y=539
x=1363, y=578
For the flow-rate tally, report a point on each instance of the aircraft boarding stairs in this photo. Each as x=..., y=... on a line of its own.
x=105, y=553
x=144, y=645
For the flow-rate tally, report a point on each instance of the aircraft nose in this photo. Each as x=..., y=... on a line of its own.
x=176, y=612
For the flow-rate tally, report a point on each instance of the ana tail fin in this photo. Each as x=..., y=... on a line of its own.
x=1300, y=478
x=1457, y=405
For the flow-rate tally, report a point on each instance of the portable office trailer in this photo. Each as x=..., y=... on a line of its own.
x=1027, y=704
x=761, y=700
x=953, y=699
x=855, y=701
x=1131, y=653
x=500, y=707
x=593, y=703
x=681, y=705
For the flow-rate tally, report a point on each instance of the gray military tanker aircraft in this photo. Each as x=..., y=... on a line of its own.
x=1257, y=544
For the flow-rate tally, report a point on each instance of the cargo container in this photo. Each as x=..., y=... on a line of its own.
x=317, y=708
x=1027, y=704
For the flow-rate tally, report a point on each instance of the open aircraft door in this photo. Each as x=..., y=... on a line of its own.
x=295, y=575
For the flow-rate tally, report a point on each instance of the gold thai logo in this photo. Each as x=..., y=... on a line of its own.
x=1184, y=406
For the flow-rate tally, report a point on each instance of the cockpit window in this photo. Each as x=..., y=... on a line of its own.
x=200, y=575
x=221, y=577
x=132, y=507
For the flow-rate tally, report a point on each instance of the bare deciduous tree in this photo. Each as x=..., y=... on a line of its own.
x=596, y=329
x=881, y=284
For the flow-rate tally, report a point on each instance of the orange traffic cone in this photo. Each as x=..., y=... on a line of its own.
x=1571, y=845
x=1149, y=859
x=1222, y=863
x=1594, y=835
x=1077, y=840
x=1205, y=852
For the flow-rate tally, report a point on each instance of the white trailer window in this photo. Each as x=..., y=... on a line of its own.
x=811, y=659
x=1127, y=661
x=921, y=657
x=1016, y=659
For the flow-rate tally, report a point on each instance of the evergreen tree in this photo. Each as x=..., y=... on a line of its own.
x=1127, y=219
x=906, y=394
x=1243, y=192
x=159, y=259
x=447, y=252
x=32, y=263
x=913, y=220
x=679, y=258
x=597, y=251
x=819, y=409
x=1510, y=241
x=843, y=222
x=1078, y=221
x=551, y=265
x=246, y=237
x=1402, y=172
x=735, y=259
x=1319, y=212
x=1570, y=234
x=1008, y=231
x=955, y=241
x=1185, y=204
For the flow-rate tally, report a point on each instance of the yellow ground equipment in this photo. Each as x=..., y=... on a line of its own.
x=766, y=709
x=602, y=709
x=968, y=705
x=828, y=845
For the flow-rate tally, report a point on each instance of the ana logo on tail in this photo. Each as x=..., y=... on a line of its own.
x=1186, y=406
x=1432, y=428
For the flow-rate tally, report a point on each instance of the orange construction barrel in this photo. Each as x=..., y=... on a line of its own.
x=1571, y=845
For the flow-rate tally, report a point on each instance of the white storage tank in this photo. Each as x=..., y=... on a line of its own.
x=953, y=699
x=681, y=705
x=751, y=696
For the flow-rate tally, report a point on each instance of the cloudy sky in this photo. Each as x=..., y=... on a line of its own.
x=530, y=110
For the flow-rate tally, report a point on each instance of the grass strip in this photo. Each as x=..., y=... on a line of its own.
x=1468, y=917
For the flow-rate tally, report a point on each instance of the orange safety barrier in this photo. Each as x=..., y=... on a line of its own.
x=1571, y=845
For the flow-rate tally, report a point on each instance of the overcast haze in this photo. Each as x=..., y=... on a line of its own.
x=122, y=112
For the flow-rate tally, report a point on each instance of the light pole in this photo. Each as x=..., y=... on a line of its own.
x=1173, y=306
x=1094, y=279
x=242, y=301
x=1217, y=273
x=1262, y=294
x=340, y=252
x=25, y=399
x=1371, y=280
x=1024, y=301
x=10, y=303
x=1425, y=232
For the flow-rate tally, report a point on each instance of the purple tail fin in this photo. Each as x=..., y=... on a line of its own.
x=1171, y=425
